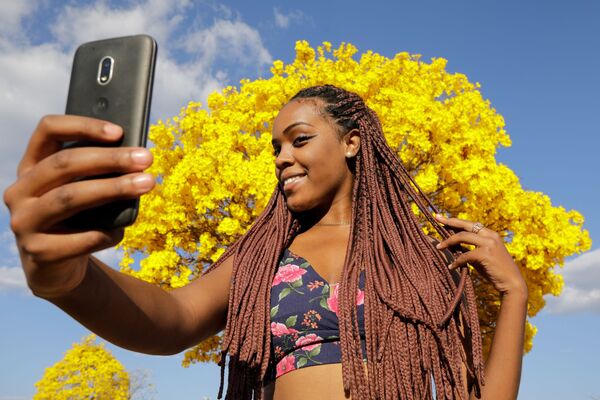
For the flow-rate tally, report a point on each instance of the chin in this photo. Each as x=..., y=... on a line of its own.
x=298, y=206
x=295, y=208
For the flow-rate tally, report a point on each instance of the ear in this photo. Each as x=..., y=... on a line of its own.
x=351, y=143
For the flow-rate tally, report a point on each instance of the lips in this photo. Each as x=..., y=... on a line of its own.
x=292, y=180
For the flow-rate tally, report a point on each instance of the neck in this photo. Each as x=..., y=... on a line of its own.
x=337, y=214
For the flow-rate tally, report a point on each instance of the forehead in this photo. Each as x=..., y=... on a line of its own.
x=300, y=110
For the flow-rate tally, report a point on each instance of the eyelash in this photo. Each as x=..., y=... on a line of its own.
x=298, y=140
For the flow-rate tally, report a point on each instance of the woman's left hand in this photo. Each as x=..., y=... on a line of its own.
x=490, y=257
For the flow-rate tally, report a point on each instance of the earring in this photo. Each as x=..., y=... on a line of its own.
x=348, y=155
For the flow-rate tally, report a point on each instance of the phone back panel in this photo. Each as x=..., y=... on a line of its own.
x=124, y=100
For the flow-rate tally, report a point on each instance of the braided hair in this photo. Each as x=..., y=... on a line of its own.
x=418, y=319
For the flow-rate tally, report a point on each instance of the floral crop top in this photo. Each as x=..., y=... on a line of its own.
x=304, y=322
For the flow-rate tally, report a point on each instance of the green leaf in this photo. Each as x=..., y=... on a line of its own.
x=288, y=260
x=297, y=283
x=284, y=293
x=301, y=362
x=315, y=351
x=323, y=303
x=291, y=321
x=304, y=265
x=274, y=310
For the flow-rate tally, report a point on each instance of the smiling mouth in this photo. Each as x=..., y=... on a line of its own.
x=291, y=182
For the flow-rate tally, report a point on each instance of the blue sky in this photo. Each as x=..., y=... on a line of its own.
x=537, y=63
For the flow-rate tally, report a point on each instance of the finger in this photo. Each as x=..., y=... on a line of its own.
x=465, y=225
x=462, y=237
x=66, y=165
x=43, y=247
x=53, y=130
x=67, y=200
x=455, y=222
x=470, y=257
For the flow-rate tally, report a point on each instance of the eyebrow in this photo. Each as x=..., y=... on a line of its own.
x=289, y=128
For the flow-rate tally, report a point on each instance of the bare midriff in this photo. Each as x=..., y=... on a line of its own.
x=315, y=382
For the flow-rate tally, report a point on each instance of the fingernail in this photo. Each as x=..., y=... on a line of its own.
x=439, y=216
x=112, y=130
x=141, y=156
x=143, y=181
x=438, y=246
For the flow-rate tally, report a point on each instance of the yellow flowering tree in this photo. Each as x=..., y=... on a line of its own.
x=87, y=371
x=215, y=169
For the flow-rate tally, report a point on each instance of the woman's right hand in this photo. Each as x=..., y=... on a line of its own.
x=46, y=192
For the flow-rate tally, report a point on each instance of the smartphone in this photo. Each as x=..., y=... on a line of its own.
x=112, y=80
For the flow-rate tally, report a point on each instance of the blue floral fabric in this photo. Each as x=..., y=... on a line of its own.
x=304, y=321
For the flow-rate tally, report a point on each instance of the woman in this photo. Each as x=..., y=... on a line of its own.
x=398, y=314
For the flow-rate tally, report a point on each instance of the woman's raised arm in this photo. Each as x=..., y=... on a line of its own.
x=57, y=263
x=493, y=262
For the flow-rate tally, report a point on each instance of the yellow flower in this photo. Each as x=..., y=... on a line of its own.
x=216, y=169
x=87, y=371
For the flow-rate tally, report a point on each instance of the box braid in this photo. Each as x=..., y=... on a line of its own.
x=412, y=303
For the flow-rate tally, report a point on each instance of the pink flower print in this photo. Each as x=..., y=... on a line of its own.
x=286, y=364
x=278, y=329
x=288, y=273
x=360, y=297
x=332, y=301
x=309, y=342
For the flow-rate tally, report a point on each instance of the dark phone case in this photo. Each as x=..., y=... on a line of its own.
x=125, y=101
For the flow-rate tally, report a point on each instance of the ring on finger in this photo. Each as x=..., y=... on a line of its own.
x=477, y=226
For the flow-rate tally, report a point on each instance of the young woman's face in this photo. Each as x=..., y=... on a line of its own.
x=307, y=147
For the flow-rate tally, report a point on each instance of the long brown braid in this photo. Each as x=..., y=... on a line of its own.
x=414, y=309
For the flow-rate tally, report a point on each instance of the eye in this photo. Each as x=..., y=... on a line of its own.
x=301, y=139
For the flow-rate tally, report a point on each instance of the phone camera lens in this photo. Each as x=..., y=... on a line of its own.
x=105, y=70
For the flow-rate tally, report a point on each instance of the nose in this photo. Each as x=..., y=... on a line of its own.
x=284, y=159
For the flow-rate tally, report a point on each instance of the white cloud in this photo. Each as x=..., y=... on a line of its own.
x=177, y=81
x=79, y=24
x=34, y=82
x=12, y=278
x=11, y=274
x=283, y=20
x=235, y=41
x=194, y=58
x=12, y=15
x=9, y=246
x=581, y=292
x=110, y=257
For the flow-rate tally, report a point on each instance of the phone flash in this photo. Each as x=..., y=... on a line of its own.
x=105, y=70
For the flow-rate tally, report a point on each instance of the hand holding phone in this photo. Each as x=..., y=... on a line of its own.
x=112, y=80
x=103, y=163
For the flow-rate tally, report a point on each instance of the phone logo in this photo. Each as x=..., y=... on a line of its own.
x=101, y=106
x=105, y=70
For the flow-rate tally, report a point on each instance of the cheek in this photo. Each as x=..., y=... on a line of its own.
x=332, y=169
x=325, y=179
